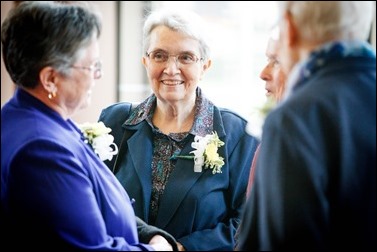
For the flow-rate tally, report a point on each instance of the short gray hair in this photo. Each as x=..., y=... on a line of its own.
x=323, y=21
x=186, y=22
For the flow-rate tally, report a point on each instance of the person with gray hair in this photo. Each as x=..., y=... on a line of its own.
x=183, y=159
x=315, y=182
x=55, y=191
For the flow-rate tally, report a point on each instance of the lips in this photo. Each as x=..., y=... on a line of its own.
x=268, y=91
x=172, y=82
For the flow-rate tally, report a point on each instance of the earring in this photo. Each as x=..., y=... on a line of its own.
x=52, y=95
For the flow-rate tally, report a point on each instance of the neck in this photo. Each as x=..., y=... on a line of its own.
x=42, y=95
x=174, y=118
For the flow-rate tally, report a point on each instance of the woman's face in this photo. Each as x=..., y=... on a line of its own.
x=74, y=91
x=175, y=79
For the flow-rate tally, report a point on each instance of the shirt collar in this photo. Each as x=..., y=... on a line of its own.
x=320, y=57
x=204, y=111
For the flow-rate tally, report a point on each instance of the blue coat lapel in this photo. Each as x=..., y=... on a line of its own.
x=140, y=149
x=180, y=182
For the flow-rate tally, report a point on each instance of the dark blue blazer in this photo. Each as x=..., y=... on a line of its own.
x=315, y=184
x=201, y=210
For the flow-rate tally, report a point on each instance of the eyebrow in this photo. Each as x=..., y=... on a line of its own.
x=272, y=56
x=162, y=50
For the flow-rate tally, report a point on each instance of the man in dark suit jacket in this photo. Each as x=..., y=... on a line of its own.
x=315, y=184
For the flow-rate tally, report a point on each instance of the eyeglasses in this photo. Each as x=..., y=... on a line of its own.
x=95, y=68
x=183, y=58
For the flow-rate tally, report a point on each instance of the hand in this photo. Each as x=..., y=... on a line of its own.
x=180, y=247
x=159, y=243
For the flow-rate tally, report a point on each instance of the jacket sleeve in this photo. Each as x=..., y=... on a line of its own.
x=113, y=117
x=146, y=232
x=239, y=151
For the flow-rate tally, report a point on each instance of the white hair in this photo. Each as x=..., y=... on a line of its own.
x=322, y=21
x=183, y=21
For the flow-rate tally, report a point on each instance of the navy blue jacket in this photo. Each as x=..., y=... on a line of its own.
x=201, y=210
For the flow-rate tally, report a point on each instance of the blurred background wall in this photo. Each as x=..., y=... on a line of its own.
x=239, y=32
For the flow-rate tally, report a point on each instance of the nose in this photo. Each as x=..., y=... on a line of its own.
x=175, y=59
x=265, y=74
x=172, y=66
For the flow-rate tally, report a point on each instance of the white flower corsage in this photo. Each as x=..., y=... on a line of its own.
x=98, y=137
x=205, y=153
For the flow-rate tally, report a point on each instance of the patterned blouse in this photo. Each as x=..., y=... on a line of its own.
x=164, y=146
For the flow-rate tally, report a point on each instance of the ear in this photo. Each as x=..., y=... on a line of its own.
x=47, y=78
x=292, y=31
x=144, y=61
x=207, y=65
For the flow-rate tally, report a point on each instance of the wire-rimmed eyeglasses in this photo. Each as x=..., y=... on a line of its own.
x=185, y=58
x=95, y=69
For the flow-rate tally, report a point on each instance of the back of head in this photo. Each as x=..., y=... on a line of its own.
x=324, y=21
x=186, y=22
x=39, y=34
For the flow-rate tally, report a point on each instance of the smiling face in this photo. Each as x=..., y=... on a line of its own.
x=173, y=81
x=272, y=73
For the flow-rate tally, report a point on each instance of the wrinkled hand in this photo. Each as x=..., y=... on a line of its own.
x=159, y=243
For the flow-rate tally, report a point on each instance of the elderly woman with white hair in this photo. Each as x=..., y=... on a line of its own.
x=183, y=159
x=315, y=182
